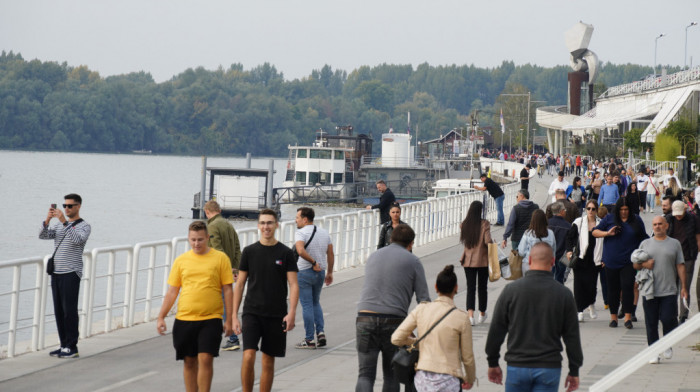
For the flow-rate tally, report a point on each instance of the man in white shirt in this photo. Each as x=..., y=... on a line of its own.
x=558, y=183
x=315, y=264
x=642, y=184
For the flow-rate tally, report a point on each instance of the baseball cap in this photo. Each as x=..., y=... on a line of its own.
x=678, y=208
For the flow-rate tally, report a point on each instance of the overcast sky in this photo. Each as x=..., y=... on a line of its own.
x=165, y=37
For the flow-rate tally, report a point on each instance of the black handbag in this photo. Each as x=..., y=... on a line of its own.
x=404, y=361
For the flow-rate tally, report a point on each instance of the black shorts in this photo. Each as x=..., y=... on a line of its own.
x=193, y=337
x=269, y=329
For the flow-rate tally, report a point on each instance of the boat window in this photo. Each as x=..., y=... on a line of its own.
x=314, y=177
x=301, y=153
x=301, y=177
x=325, y=178
x=320, y=154
x=339, y=154
x=337, y=178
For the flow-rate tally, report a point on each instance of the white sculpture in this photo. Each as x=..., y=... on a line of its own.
x=582, y=59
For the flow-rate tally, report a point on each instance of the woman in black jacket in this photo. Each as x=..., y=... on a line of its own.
x=388, y=227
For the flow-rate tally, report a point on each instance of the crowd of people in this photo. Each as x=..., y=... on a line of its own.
x=589, y=228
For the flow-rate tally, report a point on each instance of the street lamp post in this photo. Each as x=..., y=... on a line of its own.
x=656, y=44
x=685, y=54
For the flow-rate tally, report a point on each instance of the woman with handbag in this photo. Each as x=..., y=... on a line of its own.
x=388, y=227
x=446, y=361
x=475, y=258
x=585, y=253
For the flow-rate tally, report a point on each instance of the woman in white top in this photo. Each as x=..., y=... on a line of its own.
x=537, y=232
x=642, y=185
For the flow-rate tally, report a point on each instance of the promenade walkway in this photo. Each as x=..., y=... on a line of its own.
x=137, y=359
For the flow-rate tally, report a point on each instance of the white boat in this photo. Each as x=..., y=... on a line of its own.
x=454, y=186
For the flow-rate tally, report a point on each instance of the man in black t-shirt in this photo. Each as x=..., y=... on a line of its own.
x=497, y=193
x=267, y=266
x=385, y=201
x=525, y=177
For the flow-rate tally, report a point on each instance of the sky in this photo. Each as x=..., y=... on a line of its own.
x=164, y=38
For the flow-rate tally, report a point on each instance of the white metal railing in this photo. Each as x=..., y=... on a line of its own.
x=642, y=358
x=124, y=285
x=652, y=83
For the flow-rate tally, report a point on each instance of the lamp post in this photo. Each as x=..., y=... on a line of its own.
x=656, y=44
x=685, y=54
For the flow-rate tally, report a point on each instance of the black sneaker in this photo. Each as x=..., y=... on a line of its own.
x=306, y=344
x=55, y=353
x=613, y=324
x=634, y=317
x=628, y=324
x=67, y=352
x=321, y=339
x=231, y=345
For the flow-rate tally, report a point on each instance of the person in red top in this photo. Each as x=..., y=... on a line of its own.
x=578, y=165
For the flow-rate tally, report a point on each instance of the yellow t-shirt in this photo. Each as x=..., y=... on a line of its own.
x=200, y=278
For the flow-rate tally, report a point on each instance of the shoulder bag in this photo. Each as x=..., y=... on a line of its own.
x=294, y=248
x=406, y=358
x=50, y=265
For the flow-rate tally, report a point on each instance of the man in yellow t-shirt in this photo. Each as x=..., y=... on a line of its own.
x=203, y=274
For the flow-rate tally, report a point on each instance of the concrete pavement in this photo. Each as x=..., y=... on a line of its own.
x=335, y=368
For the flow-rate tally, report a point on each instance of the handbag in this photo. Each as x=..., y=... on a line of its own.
x=494, y=265
x=574, y=260
x=406, y=358
x=51, y=265
x=515, y=263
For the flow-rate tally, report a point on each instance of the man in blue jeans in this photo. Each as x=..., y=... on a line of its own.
x=497, y=193
x=315, y=264
x=392, y=275
x=537, y=313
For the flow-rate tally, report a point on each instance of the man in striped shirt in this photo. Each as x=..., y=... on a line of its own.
x=70, y=236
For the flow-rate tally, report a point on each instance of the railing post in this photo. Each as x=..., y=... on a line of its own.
x=87, y=293
x=14, y=308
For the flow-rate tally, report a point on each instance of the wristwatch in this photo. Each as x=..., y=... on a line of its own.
x=313, y=262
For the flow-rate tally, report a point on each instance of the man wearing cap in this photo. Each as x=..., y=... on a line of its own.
x=558, y=183
x=686, y=229
x=497, y=193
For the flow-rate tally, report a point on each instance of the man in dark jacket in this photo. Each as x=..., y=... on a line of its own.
x=560, y=227
x=534, y=347
x=685, y=228
x=519, y=219
x=572, y=211
x=385, y=201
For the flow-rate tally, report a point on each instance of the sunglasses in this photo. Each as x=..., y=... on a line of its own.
x=590, y=208
x=69, y=205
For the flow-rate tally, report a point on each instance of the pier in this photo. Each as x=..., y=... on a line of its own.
x=138, y=359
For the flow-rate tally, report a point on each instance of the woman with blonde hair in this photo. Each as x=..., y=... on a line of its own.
x=446, y=361
x=674, y=191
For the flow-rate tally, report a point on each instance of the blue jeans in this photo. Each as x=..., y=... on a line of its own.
x=664, y=309
x=651, y=199
x=519, y=379
x=499, y=209
x=558, y=270
x=373, y=337
x=310, y=284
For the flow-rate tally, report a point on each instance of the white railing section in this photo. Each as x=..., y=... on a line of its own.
x=125, y=285
x=642, y=358
x=655, y=82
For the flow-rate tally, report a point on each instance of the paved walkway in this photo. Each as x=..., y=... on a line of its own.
x=335, y=368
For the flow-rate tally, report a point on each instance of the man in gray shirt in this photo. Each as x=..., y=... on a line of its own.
x=667, y=264
x=392, y=275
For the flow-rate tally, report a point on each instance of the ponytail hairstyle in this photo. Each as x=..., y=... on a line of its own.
x=446, y=280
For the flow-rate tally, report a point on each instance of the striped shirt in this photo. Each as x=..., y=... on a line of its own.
x=69, y=256
x=317, y=247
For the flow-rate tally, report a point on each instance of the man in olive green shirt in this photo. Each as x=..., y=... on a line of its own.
x=223, y=237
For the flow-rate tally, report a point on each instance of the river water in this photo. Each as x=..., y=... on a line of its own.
x=126, y=198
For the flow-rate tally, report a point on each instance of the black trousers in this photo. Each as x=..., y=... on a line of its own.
x=585, y=284
x=689, y=270
x=65, y=288
x=621, y=279
x=477, y=276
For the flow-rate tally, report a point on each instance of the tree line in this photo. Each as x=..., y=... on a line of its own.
x=52, y=106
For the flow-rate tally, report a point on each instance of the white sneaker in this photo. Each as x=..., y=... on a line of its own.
x=471, y=321
x=592, y=312
x=655, y=360
x=483, y=317
x=580, y=317
x=652, y=210
x=668, y=354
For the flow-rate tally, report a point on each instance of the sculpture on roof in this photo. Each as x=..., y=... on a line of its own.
x=582, y=59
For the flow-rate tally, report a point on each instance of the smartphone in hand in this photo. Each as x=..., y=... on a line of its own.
x=53, y=206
